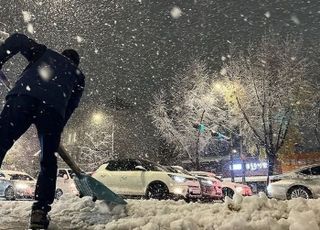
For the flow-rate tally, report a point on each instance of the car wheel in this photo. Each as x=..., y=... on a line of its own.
x=59, y=193
x=9, y=193
x=299, y=191
x=157, y=191
x=227, y=192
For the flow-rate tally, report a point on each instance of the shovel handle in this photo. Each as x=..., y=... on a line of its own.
x=67, y=158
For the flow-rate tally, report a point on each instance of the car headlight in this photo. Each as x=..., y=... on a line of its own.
x=239, y=189
x=178, y=179
x=21, y=186
x=206, y=182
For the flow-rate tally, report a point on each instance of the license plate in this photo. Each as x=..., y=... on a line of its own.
x=195, y=191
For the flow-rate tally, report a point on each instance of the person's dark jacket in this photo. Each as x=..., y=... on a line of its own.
x=49, y=76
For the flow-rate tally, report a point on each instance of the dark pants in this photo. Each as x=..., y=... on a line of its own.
x=17, y=116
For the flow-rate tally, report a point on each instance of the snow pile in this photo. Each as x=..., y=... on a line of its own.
x=240, y=213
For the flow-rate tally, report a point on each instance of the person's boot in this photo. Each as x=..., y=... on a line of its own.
x=39, y=219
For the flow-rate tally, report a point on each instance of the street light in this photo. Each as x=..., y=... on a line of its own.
x=98, y=118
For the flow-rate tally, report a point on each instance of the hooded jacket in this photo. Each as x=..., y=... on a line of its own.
x=50, y=77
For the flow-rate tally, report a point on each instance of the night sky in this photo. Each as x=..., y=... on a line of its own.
x=131, y=49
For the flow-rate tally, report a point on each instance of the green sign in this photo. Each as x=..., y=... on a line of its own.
x=201, y=128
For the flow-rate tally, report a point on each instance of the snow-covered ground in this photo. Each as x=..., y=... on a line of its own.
x=247, y=213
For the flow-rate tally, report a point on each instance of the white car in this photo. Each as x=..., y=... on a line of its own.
x=16, y=184
x=228, y=187
x=304, y=182
x=137, y=177
x=211, y=187
x=65, y=183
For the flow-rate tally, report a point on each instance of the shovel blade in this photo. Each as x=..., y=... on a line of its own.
x=88, y=186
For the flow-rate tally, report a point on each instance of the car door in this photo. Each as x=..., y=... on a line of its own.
x=132, y=178
x=111, y=176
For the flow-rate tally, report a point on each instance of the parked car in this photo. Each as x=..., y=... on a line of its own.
x=211, y=187
x=65, y=183
x=228, y=187
x=137, y=177
x=16, y=184
x=256, y=183
x=303, y=182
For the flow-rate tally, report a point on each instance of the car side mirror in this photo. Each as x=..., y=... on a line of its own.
x=141, y=168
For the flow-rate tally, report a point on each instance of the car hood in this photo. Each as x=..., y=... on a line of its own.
x=182, y=175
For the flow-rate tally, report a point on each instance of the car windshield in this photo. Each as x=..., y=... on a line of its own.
x=170, y=169
x=20, y=177
x=151, y=166
x=184, y=171
x=206, y=175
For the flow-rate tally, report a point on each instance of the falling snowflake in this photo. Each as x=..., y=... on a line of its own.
x=45, y=72
x=79, y=39
x=295, y=19
x=26, y=16
x=28, y=88
x=223, y=71
x=30, y=28
x=267, y=14
x=176, y=12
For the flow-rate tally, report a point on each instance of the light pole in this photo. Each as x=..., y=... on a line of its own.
x=233, y=151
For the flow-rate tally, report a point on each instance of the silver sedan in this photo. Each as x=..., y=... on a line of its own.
x=304, y=182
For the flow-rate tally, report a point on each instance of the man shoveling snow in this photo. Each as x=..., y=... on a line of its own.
x=46, y=94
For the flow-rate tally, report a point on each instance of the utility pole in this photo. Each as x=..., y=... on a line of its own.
x=112, y=137
x=197, y=143
x=243, y=162
x=231, y=159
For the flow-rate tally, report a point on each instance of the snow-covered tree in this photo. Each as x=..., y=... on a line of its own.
x=189, y=103
x=96, y=144
x=268, y=86
x=24, y=154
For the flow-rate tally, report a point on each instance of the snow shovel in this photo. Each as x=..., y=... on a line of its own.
x=87, y=185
